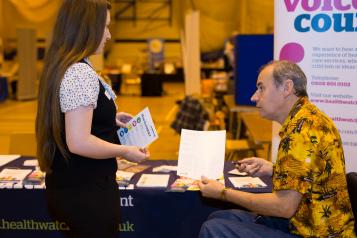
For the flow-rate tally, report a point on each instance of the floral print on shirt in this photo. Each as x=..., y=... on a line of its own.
x=311, y=162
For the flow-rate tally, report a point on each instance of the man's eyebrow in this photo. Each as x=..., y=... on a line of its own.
x=259, y=84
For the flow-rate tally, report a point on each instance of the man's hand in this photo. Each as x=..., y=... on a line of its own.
x=122, y=118
x=255, y=167
x=210, y=188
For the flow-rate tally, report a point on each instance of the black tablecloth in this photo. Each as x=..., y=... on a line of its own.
x=145, y=212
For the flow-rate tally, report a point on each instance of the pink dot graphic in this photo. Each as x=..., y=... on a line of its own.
x=293, y=52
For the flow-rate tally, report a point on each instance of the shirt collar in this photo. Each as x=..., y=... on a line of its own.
x=107, y=87
x=294, y=110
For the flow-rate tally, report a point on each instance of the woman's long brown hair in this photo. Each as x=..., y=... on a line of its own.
x=76, y=35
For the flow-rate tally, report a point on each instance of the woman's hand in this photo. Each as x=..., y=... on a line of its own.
x=122, y=118
x=210, y=188
x=136, y=154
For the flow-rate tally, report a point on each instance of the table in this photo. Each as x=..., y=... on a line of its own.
x=151, y=85
x=234, y=114
x=145, y=212
x=259, y=129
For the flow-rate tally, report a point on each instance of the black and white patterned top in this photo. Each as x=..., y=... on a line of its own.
x=80, y=87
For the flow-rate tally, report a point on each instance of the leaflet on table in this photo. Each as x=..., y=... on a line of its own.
x=164, y=169
x=140, y=130
x=13, y=175
x=4, y=159
x=36, y=177
x=129, y=166
x=137, y=168
x=201, y=153
x=153, y=180
x=124, y=164
x=123, y=178
x=247, y=182
x=182, y=184
x=31, y=162
x=236, y=172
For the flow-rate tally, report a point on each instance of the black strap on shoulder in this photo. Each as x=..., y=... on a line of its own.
x=83, y=61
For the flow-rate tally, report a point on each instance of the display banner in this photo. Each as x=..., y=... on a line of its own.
x=155, y=53
x=320, y=35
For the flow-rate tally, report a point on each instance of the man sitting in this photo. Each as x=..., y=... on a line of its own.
x=310, y=196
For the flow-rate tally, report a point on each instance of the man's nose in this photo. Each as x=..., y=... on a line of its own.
x=254, y=97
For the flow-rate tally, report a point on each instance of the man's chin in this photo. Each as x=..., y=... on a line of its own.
x=262, y=113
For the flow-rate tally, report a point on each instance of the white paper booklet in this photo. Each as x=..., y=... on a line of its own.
x=201, y=153
x=140, y=130
x=153, y=180
x=4, y=159
x=247, y=182
x=13, y=175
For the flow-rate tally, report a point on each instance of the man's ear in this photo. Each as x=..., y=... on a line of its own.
x=289, y=87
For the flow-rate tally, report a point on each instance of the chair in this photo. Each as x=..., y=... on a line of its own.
x=352, y=191
x=235, y=146
x=23, y=143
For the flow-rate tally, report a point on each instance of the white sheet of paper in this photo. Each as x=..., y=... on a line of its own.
x=140, y=131
x=201, y=153
x=4, y=159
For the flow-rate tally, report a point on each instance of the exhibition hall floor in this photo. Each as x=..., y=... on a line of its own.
x=19, y=116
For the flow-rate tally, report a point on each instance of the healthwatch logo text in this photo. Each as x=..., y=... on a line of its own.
x=331, y=15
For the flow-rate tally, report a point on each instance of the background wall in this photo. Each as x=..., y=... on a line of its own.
x=219, y=18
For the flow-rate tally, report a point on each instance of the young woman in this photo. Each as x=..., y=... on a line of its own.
x=76, y=124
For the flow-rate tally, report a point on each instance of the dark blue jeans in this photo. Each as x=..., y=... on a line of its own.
x=243, y=224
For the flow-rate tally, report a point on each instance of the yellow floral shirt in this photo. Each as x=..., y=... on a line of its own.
x=311, y=162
